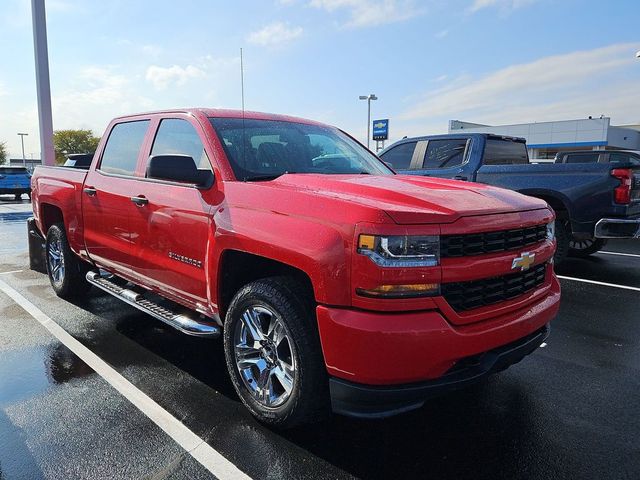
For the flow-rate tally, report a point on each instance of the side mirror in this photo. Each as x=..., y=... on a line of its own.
x=177, y=168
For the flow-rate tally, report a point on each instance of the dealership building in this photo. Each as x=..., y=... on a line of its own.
x=545, y=139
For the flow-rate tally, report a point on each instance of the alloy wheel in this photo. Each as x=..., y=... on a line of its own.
x=265, y=356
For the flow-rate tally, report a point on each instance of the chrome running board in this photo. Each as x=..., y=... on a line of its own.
x=178, y=321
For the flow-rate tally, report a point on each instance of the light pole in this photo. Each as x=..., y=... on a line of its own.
x=368, y=98
x=24, y=159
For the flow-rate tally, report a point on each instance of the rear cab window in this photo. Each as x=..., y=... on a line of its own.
x=623, y=158
x=581, y=158
x=13, y=171
x=120, y=155
x=505, y=152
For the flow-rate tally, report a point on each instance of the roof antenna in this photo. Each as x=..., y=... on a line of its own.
x=242, y=80
x=244, y=140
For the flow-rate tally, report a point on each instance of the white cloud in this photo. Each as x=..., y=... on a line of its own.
x=560, y=86
x=370, y=13
x=99, y=94
x=442, y=33
x=273, y=34
x=504, y=5
x=3, y=90
x=163, y=77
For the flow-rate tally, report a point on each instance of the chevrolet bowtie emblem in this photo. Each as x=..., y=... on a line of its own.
x=524, y=261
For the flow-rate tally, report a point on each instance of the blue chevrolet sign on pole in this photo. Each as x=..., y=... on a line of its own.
x=380, y=131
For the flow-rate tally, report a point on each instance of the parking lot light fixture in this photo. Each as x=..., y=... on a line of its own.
x=24, y=159
x=368, y=98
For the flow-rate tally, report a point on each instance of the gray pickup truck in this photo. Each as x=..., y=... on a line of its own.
x=593, y=200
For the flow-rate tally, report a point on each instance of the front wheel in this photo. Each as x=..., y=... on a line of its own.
x=273, y=353
x=66, y=271
x=586, y=247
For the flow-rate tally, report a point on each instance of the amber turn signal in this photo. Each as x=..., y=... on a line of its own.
x=401, y=291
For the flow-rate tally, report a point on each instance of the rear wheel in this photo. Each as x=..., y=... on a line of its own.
x=584, y=248
x=66, y=271
x=273, y=353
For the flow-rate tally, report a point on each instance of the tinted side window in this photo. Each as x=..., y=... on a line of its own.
x=582, y=158
x=123, y=146
x=445, y=153
x=505, y=152
x=400, y=157
x=177, y=136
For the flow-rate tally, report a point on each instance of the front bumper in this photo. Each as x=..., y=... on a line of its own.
x=412, y=353
x=617, y=228
x=367, y=401
x=14, y=190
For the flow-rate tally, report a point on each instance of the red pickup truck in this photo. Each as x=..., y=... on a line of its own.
x=334, y=281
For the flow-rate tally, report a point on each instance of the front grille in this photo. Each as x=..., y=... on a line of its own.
x=467, y=295
x=490, y=242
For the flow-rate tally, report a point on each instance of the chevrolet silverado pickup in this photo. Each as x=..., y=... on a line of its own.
x=334, y=282
x=593, y=200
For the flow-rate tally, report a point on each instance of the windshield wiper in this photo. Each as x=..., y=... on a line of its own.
x=261, y=178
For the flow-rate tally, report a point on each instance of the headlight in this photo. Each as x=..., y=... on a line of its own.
x=401, y=250
x=551, y=230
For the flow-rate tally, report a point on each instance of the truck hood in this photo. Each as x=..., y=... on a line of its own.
x=409, y=199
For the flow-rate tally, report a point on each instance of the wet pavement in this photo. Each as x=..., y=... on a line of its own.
x=570, y=410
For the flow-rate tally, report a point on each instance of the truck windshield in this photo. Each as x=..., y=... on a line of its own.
x=505, y=152
x=266, y=149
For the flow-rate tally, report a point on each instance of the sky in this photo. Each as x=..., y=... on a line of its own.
x=428, y=61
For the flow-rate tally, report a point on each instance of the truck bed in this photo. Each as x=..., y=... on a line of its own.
x=60, y=187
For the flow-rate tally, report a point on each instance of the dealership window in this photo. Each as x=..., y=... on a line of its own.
x=120, y=155
x=445, y=153
x=399, y=157
x=178, y=137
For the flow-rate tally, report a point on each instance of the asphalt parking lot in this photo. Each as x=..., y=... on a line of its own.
x=570, y=410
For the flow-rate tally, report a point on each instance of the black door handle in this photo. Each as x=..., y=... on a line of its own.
x=90, y=191
x=139, y=200
x=460, y=177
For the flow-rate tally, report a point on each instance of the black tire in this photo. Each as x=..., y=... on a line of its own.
x=563, y=235
x=69, y=282
x=308, y=400
x=584, y=248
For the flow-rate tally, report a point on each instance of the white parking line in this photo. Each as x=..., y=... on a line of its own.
x=201, y=451
x=584, y=280
x=11, y=271
x=618, y=253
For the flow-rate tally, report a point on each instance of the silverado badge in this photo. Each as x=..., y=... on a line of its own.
x=523, y=262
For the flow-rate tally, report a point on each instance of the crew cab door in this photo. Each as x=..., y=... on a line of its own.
x=106, y=196
x=172, y=227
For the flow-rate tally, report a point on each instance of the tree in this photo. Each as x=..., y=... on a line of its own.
x=3, y=153
x=73, y=141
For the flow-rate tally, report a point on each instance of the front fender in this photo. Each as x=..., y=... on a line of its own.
x=321, y=250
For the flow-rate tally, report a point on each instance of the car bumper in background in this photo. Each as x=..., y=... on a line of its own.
x=617, y=228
